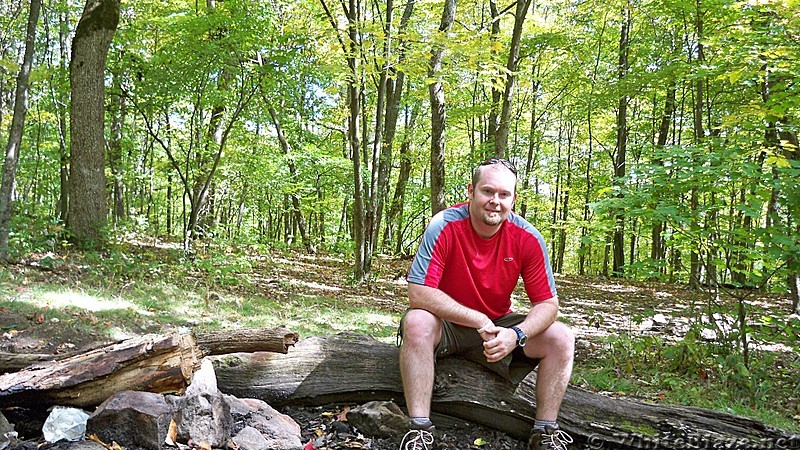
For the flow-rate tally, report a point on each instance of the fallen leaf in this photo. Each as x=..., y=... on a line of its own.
x=172, y=434
x=479, y=442
x=310, y=446
x=94, y=438
x=342, y=417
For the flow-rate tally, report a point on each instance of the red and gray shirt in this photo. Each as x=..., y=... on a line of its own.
x=482, y=273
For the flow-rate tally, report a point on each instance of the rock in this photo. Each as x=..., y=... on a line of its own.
x=250, y=439
x=5, y=426
x=8, y=436
x=204, y=380
x=280, y=431
x=132, y=419
x=379, y=419
x=203, y=418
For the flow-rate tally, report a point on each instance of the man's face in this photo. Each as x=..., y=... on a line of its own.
x=492, y=198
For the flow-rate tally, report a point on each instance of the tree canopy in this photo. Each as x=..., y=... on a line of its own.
x=654, y=139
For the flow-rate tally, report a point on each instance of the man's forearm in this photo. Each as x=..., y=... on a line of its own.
x=444, y=307
x=541, y=316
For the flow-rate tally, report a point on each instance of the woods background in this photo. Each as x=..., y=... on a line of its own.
x=654, y=139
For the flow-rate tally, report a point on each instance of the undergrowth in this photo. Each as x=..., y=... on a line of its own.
x=696, y=372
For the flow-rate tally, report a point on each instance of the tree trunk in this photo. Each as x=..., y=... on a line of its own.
x=354, y=139
x=395, y=214
x=394, y=96
x=438, y=113
x=622, y=141
x=59, y=102
x=657, y=247
x=501, y=134
x=8, y=184
x=88, y=207
x=115, y=156
x=351, y=368
x=794, y=291
x=699, y=137
x=298, y=213
x=153, y=363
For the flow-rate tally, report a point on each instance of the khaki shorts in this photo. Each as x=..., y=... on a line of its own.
x=465, y=341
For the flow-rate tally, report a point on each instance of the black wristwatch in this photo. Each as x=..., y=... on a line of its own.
x=521, y=338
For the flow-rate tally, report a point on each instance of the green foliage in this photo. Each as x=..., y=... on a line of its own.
x=698, y=372
x=35, y=235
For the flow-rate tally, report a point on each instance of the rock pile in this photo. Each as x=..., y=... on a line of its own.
x=202, y=417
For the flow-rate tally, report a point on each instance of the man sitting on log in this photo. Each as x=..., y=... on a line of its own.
x=459, y=287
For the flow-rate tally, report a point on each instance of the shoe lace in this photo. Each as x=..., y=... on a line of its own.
x=417, y=440
x=557, y=440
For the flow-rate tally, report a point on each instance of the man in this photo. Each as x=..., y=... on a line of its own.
x=459, y=288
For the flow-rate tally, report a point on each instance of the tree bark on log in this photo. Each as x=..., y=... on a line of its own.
x=350, y=368
x=12, y=362
x=153, y=363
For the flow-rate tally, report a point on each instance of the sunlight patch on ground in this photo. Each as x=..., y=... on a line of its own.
x=83, y=301
x=313, y=285
x=380, y=319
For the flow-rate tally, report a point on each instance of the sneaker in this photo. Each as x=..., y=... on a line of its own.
x=418, y=439
x=551, y=438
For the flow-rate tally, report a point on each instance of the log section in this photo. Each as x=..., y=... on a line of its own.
x=351, y=368
x=154, y=363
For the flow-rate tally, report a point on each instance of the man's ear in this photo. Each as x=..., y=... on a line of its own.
x=470, y=190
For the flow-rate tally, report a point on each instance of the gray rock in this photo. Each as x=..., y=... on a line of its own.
x=132, y=419
x=379, y=419
x=5, y=426
x=204, y=380
x=280, y=431
x=203, y=418
x=250, y=439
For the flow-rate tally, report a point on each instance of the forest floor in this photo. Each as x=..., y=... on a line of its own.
x=595, y=307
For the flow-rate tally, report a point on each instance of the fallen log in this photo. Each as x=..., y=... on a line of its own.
x=350, y=368
x=154, y=363
x=12, y=362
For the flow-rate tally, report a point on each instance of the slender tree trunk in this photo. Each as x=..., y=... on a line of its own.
x=8, y=184
x=657, y=247
x=793, y=280
x=395, y=214
x=584, y=247
x=699, y=137
x=438, y=114
x=532, y=158
x=394, y=95
x=562, y=231
x=350, y=46
x=501, y=135
x=115, y=156
x=60, y=103
x=497, y=94
x=622, y=142
x=88, y=206
x=298, y=212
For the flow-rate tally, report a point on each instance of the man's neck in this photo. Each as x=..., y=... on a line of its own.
x=482, y=230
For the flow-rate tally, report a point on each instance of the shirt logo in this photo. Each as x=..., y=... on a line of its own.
x=508, y=259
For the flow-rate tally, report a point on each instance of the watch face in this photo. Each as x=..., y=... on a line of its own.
x=521, y=338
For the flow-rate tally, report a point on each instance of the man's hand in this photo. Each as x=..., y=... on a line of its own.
x=498, y=342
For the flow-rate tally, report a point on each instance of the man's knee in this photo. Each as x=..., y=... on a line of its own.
x=420, y=326
x=565, y=339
